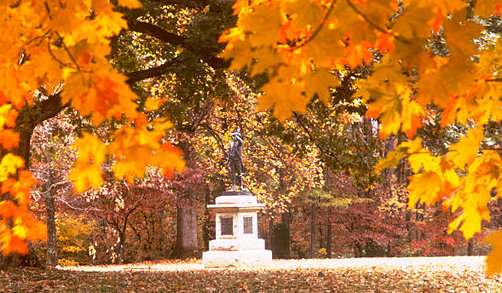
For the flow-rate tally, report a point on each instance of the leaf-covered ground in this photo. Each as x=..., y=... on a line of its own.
x=442, y=274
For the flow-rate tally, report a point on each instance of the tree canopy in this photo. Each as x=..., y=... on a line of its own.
x=304, y=47
x=55, y=55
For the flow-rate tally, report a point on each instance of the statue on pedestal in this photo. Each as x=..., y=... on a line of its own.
x=234, y=161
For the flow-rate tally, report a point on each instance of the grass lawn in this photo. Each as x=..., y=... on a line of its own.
x=435, y=274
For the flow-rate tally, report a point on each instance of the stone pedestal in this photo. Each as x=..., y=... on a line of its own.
x=237, y=242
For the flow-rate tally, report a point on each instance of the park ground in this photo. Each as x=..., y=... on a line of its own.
x=423, y=274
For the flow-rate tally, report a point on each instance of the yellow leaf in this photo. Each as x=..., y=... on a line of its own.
x=20, y=231
x=143, y=141
x=131, y=4
x=403, y=150
x=153, y=103
x=459, y=35
x=328, y=39
x=265, y=58
x=320, y=82
x=455, y=76
x=389, y=107
x=485, y=8
x=390, y=161
x=410, y=115
x=494, y=258
x=263, y=24
x=7, y=116
x=412, y=24
x=424, y=187
x=86, y=175
x=9, y=165
x=466, y=150
x=379, y=11
x=303, y=13
x=87, y=170
x=424, y=159
x=284, y=97
x=239, y=51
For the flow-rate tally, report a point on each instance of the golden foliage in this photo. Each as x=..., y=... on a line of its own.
x=48, y=43
x=304, y=37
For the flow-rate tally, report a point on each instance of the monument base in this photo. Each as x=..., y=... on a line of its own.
x=237, y=243
x=221, y=259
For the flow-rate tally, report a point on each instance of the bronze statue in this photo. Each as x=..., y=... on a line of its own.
x=234, y=161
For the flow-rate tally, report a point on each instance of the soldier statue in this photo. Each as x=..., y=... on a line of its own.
x=234, y=161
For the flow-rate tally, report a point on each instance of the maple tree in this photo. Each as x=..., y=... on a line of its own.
x=55, y=56
x=299, y=44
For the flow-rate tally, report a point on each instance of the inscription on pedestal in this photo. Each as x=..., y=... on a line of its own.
x=227, y=226
x=248, y=225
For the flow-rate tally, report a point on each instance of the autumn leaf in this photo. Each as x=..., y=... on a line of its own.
x=320, y=82
x=87, y=170
x=279, y=93
x=263, y=24
x=153, y=104
x=412, y=25
x=412, y=147
x=485, y=8
x=424, y=188
x=466, y=150
x=12, y=243
x=493, y=263
x=9, y=165
x=9, y=139
x=303, y=13
x=20, y=188
x=131, y=4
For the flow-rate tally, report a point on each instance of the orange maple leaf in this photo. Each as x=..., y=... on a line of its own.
x=357, y=55
x=494, y=259
x=14, y=244
x=437, y=22
x=385, y=43
x=9, y=139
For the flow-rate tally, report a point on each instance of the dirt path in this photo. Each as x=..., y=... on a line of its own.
x=449, y=262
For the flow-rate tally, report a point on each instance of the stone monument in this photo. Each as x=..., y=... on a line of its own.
x=237, y=243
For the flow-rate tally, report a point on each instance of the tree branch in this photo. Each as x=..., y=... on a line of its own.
x=156, y=32
x=170, y=38
x=184, y=3
x=319, y=27
x=139, y=75
x=51, y=107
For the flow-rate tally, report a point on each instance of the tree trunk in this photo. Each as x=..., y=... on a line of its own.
x=207, y=222
x=470, y=247
x=281, y=241
x=52, y=249
x=186, y=234
x=328, y=242
x=312, y=230
x=270, y=234
x=121, y=251
x=286, y=221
